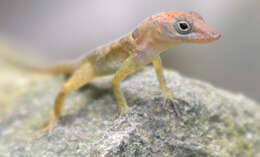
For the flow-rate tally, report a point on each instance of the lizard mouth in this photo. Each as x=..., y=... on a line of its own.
x=208, y=38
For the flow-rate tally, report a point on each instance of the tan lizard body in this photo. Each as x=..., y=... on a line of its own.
x=127, y=55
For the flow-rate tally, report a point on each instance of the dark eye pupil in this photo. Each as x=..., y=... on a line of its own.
x=183, y=26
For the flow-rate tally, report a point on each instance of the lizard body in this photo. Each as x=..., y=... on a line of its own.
x=133, y=51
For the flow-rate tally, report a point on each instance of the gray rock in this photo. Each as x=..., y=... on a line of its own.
x=202, y=121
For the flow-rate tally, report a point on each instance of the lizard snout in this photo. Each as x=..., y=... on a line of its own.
x=206, y=34
x=215, y=36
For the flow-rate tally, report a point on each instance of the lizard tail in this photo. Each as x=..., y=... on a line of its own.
x=32, y=64
x=66, y=67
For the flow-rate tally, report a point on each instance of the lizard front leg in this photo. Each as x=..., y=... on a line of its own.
x=157, y=64
x=129, y=66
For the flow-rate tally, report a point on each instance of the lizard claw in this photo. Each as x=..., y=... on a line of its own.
x=123, y=111
x=52, y=123
x=175, y=107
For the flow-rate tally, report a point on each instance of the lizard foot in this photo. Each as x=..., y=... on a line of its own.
x=123, y=111
x=52, y=123
x=171, y=100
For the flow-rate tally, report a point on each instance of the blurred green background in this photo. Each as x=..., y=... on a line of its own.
x=60, y=29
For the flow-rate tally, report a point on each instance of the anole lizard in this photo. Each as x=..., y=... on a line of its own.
x=128, y=54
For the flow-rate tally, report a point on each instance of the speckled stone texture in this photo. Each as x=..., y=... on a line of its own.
x=202, y=121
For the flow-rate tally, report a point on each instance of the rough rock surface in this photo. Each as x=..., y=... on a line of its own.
x=203, y=121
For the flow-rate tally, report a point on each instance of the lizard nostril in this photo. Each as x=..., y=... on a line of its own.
x=215, y=36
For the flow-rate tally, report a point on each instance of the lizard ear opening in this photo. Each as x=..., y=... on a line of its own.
x=182, y=27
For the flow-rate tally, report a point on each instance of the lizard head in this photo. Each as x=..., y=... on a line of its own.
x=175, y=28
x=185, y=27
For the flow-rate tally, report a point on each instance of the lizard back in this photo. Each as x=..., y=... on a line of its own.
x=107, y=59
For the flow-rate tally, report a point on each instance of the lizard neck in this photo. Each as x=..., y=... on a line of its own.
x=149, y=46
x=152, y=40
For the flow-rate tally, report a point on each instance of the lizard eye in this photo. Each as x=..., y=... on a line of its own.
x=182, y=27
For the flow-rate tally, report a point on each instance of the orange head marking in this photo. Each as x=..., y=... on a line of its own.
x=179, y=27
